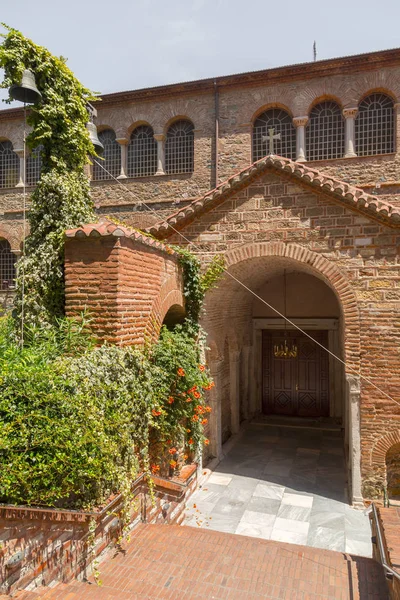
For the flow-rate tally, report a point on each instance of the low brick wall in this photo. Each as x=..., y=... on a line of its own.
x=389, y=521
x=40, y=546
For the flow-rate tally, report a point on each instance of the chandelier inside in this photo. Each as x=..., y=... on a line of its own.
x=284, y=350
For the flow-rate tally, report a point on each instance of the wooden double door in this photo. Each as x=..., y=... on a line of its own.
x=296, y=386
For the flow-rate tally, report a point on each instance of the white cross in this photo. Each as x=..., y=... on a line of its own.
x=271, y=137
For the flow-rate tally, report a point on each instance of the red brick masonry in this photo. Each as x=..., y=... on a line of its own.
x=177, y=563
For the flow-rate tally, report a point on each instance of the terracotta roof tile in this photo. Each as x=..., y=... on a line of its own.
x=106, y=228
x=352, y=197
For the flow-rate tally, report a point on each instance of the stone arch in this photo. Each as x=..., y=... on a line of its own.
x=377, y=90
x=322, y=268
x=13, y=235
x=269, y=106
x=380, y=449
x=137, y=123
x=174, y=119
x=324, y=98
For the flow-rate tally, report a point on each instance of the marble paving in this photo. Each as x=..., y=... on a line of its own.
x=285, y=484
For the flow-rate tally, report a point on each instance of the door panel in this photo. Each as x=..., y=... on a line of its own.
x=296, y=386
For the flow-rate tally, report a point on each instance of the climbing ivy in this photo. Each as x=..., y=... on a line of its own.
x=61, y=199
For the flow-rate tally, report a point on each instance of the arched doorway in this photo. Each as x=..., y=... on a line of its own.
x=314, y=384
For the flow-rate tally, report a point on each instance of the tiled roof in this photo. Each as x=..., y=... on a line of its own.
x=351, y=197
x=106, y=228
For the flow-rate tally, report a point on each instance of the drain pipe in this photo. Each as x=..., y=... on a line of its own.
x=216, y=110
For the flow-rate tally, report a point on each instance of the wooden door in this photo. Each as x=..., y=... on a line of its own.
x=296, y=386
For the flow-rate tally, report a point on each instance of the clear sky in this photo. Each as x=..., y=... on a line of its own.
x=115, y=45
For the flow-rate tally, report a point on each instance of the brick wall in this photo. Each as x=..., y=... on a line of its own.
x=40, y=546
x=126, y=285
x=276, y=222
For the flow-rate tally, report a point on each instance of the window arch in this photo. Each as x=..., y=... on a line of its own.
x=7, y=266
x=325, y=132
x=179, y=148
x=374, y=128
x=9, y=165
x=111, y=163
x=142, y=152
x=282, y=123
x=34, y=166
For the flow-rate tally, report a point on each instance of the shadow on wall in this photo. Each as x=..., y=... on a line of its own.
x=393, y=472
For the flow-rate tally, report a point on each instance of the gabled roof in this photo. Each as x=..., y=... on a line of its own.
x=349, y=196
x=106, y=228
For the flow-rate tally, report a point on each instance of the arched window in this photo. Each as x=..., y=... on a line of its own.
x=325, y=132
x=9, y=165
x=34, y=166
x=7, y=266
x=142, y=152
x=179, y=148
x=281, y=122
x=111, y=163
x=375, y=125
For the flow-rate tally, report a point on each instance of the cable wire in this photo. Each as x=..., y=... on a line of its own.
x=194, y=245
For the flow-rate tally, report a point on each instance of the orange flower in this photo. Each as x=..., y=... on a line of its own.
x=155, y=412
x=181, y=372
x=172, y=450
x=173, y=463
x=204, y=422
x=188, y=430
x=195, y=418
x=201, y=367
x=199, y=409
x=170, y=400
x=208, y=409
x=190, y=442
x=155, y=469
x=209, y=386
x=189, y=399
x=206, y=442
x=196, y=394
x=185, y=456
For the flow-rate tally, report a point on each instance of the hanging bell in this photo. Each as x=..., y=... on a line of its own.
x=92, y=129
x=26, y=91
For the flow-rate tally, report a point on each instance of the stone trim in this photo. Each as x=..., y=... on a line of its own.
x=351, y=197
x=380, y=448
x=334, y=277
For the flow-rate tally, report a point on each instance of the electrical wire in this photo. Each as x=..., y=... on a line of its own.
x=194, y=245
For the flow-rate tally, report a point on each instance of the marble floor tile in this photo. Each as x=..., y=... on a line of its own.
x=329, y=539
x=228, y=506
x=291, y=525
x=258, y=531
x=358, y=548
x=256, y=518
x=327, y=520
x=264, y=505
x=277, y=469
x=290, y=537
x=297, y=500
x=210, y=492
x=296, y=513
x=223, y=523
x=220, y=478
x=238, y=494
x=269, y=491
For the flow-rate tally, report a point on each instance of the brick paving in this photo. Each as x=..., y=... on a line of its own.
x=175, y=563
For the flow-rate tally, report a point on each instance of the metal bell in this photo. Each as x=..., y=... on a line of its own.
x=92, y=129
x=26, y=91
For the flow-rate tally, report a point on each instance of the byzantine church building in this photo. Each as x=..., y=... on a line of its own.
x=306, y=216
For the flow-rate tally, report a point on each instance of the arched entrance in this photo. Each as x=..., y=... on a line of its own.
x=313, y=384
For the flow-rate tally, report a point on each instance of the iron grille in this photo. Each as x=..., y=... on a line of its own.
x=325, y=132
x=179, y=148
x=7, y=266
x=34, y=166
x=281, y=122
x=142, y=152
x=111, y=162
x=374, y=127
x=9, y=165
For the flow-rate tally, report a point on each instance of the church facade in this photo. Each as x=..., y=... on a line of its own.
x=309, y=231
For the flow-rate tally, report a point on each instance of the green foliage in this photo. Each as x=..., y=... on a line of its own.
x=196, y=284
x=61, y=199
x=59, y=202
x=76, y=421
x=59, y=121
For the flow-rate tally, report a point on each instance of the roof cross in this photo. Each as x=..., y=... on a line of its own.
x=271, y=137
